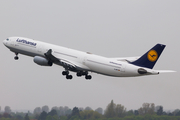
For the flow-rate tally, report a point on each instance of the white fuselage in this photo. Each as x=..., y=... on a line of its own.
x=84, y=60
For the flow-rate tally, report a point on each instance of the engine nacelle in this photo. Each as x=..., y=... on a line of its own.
x=42, y=61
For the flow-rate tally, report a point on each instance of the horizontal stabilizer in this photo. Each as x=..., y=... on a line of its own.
x=165, y=71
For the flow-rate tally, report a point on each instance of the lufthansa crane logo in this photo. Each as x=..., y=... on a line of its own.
x=152, y=55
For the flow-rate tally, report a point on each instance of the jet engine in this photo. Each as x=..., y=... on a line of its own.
x=42, y=61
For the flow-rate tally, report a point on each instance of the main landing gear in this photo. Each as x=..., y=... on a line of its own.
x=16, y=57
x=67, y=74
x=79, y=74
x=88, y=77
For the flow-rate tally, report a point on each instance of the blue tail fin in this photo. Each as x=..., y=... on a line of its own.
x=150, y=58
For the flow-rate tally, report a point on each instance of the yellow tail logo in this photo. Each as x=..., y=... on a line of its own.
x=152, y=55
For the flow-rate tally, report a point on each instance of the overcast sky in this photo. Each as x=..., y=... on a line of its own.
x=116, y=28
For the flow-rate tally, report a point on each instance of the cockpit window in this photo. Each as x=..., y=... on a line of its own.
x=7, y=39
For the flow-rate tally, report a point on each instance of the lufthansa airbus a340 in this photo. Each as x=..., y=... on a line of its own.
x=82, y=63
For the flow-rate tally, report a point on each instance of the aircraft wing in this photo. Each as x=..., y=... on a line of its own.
x=50, y=57
x=126, y=59
x=67, y=64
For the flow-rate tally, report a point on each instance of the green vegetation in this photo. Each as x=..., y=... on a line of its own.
x=113, y=111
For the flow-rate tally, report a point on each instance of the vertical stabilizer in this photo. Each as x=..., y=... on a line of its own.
x=150, y=58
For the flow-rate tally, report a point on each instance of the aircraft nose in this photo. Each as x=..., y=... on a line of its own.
x=5, y=42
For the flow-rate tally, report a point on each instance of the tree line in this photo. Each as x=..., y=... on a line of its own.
x=148, y=111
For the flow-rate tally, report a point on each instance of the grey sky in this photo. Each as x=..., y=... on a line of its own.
x=108, y=28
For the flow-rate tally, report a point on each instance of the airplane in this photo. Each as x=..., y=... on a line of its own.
x=83, y=63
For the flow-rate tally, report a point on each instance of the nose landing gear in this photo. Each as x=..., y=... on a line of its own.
x=16, y=57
